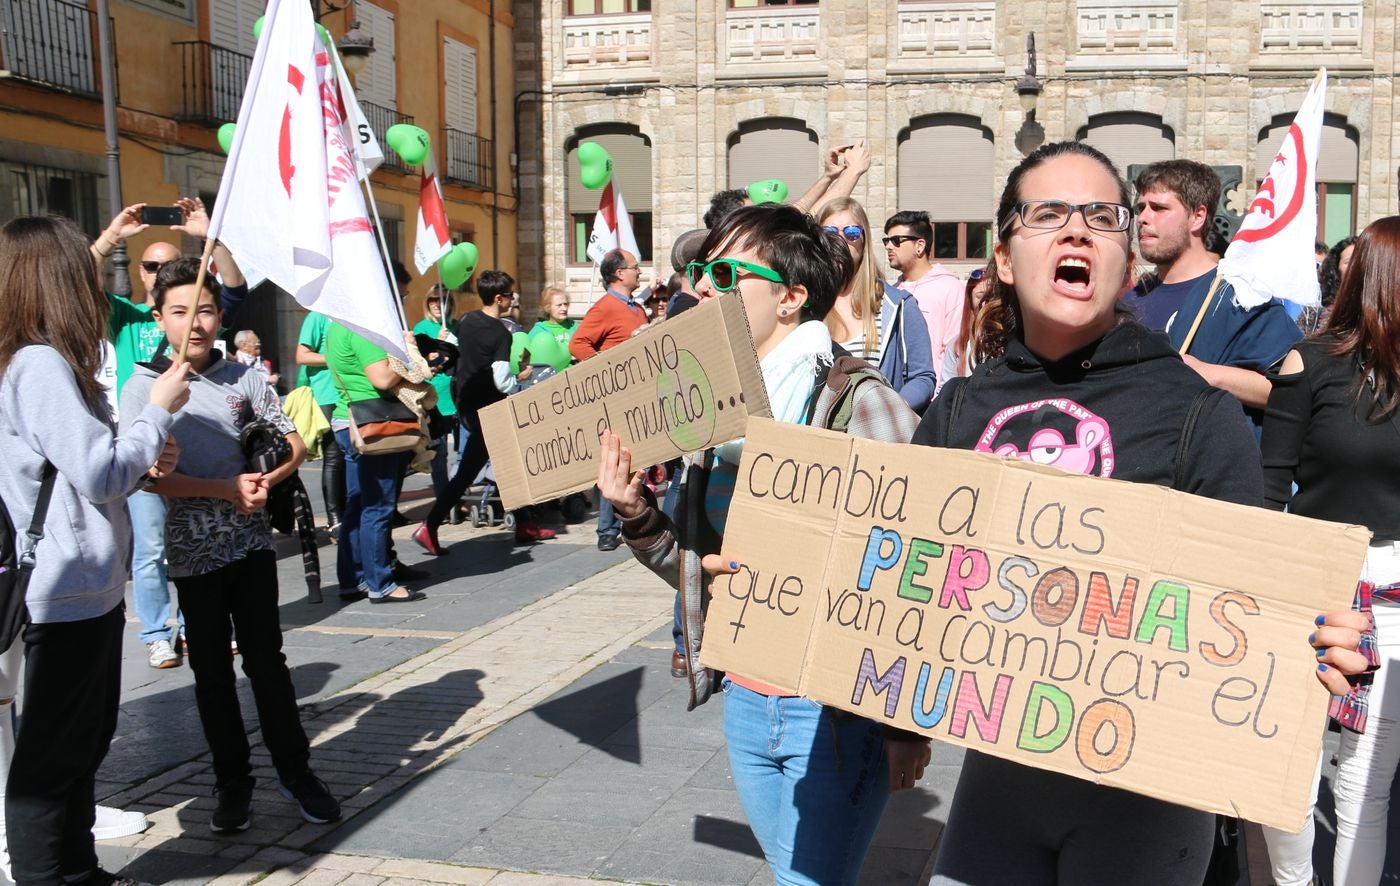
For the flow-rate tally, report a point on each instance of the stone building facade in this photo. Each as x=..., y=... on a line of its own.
x=694, y=96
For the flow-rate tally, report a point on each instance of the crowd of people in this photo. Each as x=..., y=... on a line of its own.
x=160, y=483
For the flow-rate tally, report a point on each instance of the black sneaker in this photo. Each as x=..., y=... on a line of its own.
x=100, y=877
x=232, y=812
x=312, y=795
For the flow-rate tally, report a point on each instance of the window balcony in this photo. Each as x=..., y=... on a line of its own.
x=212, y=81
x=380, y=119
x=1310, y=26
x=616, y=41
x=936, y=31
x=52, y=43
x=469, y=160
x=771, y=35
x=1144, y=26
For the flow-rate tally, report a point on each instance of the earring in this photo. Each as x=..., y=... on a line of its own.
x=783, y=312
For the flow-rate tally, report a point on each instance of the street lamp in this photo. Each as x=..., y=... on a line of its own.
x=355, y=46
x=1031, y=135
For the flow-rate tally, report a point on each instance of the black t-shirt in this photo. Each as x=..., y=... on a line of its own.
x=1114, y=409
x=483, y=340
x=1318, y=435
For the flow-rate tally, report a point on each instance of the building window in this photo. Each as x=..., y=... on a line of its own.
x=755, y=4
x=631, y=154
x=393, y=236
x=608, y=7
x=1130, y=139
x=27, y=189
x=1337, y=158
x=774, y=147
x=378, y=82
x=958, y=197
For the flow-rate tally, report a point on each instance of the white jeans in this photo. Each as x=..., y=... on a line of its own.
x=1365, y=763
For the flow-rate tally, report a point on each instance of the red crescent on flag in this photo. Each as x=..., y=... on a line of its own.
x=295, y=79
x=1295, y=200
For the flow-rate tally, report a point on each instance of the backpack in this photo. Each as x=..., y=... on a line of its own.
x=17, y=561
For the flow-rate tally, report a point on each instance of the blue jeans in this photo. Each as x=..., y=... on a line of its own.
x=608, y=523
x=150, y=592
x=371, y=492
x=813, y=783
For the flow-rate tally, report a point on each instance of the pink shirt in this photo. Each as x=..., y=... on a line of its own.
x=939, y=294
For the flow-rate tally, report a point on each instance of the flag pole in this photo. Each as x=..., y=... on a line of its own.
x=209, y=242
x=442, y=298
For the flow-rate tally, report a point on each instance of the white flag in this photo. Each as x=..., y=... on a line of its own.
x=289, y=203
x=1272, y=255
x=368, y=154
x=612, y=227
x=432, y=240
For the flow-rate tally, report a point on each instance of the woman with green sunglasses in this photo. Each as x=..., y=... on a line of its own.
x=813, y=802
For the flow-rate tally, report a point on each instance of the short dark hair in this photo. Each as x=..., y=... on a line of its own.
x=612, y=263
x=1194, y=184
x=916, y=221
x=722, y=204
x=491, y=285
x=792, y=243
x=401, y=275
x=181, y=272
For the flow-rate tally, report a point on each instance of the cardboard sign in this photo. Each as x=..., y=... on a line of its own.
x=1118, y=632
x=677, y=387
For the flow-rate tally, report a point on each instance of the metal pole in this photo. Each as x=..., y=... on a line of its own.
x=120, y=261
x=495, y=142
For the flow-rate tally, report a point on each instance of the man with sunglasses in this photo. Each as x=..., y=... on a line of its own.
x=135, y=338
x=908, y=244
x=1233, y=347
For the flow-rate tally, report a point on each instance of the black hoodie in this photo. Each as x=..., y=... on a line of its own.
x=1115, y=408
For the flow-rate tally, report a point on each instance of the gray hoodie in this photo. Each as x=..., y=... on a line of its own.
x=83, y=559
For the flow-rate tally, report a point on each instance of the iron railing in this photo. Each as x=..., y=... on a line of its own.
x=380, y=119
x=212, y=79
x=469, y=160
x=52, y=43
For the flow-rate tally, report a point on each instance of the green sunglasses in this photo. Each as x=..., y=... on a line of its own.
x=724, y=272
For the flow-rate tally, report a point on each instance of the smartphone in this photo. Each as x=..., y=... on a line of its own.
x=162, y=215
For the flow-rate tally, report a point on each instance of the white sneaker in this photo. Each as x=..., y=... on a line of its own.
x=161, y=654
x=112, y=823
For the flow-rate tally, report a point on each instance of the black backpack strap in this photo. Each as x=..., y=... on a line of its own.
x=36, y=523
x=953, y=409
x=1188, y=429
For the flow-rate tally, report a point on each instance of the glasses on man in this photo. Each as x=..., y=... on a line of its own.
x=898, y=240
x=852, y=233
x=153, y=267
x=724, y=272
x=1051, y=215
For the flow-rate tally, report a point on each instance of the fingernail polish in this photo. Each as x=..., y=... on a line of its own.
x=1322, y=669
x=1321, y=652
x=1320, y=619
x=1312, y=638
x=733, y=564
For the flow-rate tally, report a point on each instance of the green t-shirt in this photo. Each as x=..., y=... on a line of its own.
x=314, y=330
x=135, y=335
x=442, y=382
x=347, y=355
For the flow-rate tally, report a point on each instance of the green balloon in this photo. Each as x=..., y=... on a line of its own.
x=453, y=269
x=595, y=166
x=545, y=349
x=470, y=254
x=409, y=141
x=517, y=349
x=769, y=190
x=257, y=27
x=226, y=136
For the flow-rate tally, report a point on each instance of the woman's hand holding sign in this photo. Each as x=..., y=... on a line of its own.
x=617, y=482
x=1336, y=640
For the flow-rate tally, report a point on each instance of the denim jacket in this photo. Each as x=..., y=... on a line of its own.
x=908, y=359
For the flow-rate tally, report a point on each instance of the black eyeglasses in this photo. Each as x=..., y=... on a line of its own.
x=852, y=233
x=899, y=239
x=153, y=267
x=1051, y=215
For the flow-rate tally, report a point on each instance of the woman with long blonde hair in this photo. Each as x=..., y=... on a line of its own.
x=873, y=320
